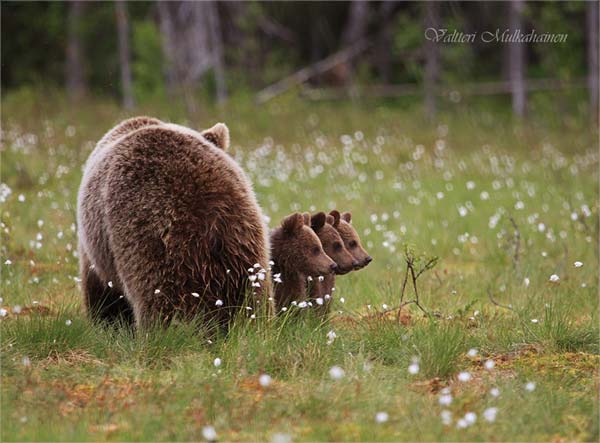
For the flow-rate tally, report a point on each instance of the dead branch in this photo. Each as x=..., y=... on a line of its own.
x=516, y=243
x=306, y=73
x=495, y=302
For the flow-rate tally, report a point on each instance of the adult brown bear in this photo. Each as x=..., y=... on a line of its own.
x=168, y=225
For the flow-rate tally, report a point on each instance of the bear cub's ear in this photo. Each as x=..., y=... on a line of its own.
x=306, y=217
x=347, y=216
x=219, y=135
x=292, y=223
x=317, y=221
x=336, y=217
x=330, y=220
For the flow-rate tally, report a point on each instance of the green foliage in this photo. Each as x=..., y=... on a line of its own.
x=148, y=61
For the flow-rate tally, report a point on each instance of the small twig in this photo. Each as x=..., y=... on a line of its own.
x=516, y=242
x=495, y=302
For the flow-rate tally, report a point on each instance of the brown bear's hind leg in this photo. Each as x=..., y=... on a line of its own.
x=101, y=302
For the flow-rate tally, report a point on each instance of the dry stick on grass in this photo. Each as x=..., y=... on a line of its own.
x=497, y=303
x=516, y=243
x=410, y=269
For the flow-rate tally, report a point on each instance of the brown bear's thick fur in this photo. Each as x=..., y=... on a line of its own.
x=333, y=245
x=170, y=220
x=351, y=239
x=297, y=253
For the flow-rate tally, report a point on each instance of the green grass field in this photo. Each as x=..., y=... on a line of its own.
x=504, y=205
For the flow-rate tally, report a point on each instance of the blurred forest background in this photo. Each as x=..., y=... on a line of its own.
x=200, y=52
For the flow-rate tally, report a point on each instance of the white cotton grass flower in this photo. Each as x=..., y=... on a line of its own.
x=413, y=368
x=68, y=322
x=195, y=294
x=217, y=362
x=3, y=312
x=464, y=376
x=219, y=303
x=321, y=278
x=209, y=433
x=331, y=336
x=471, y=417
x=489, y=364
x=530, y=386
x=382, y=417
x=342, y=300
x=110, y=284
x=319, y=301
x=445, y=399
x=26, y=361
x=578, y=264
x=490, y=414
x=554, y=278
x=495, y=392
x=302, y=304
x=534, y=320
x=265, y=380
x=461, y=423
x=157, y=291
x=446, y=417
x=526, y=281
x=472, y=352
x=16, y=309
x=309, y=278
x=336, y=373
x=281, y=438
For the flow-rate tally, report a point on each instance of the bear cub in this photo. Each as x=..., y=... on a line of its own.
x=297, y=254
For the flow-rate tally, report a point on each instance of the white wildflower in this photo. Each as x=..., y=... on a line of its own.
x=382, y=417
x=413, y=368
x=464, y=376
x=209, y=433
x=336, y=373
x=446, y=416
x=265, y=380
x=490, y=414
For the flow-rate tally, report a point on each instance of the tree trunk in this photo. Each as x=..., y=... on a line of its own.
x=592, y=52
x=124, y=53
x=516, y=60
x=432, y=68
x=354, y=31
x=75, y=76
x=168, y=38
x=384, y=41
x=216, y=39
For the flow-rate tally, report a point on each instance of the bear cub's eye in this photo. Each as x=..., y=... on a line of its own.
x=352, y=243
x=337, y=246
x=316, y=250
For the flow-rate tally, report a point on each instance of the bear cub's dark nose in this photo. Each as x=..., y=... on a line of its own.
x=333, y=266
x=368, y=260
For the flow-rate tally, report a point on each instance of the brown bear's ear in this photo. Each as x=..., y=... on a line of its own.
x=330, y=220
x=336, y=217
x=317, y=221
x=292, y=223
x=306, y=217
x=347, y=217
x=218, y=135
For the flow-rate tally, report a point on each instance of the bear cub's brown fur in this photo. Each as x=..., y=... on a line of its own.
x=297, y=254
